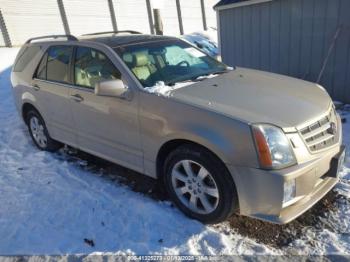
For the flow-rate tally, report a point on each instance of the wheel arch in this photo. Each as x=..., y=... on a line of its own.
x=26, y=107
x=171, y=145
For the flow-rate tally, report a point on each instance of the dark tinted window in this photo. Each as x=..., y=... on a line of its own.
x=92, y=66
x=25, y=57
x=58, y=63
x=41, y=71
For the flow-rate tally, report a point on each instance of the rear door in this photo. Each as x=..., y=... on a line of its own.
x=106, y=126
x=52, y=82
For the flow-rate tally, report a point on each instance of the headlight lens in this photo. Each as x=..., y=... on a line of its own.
x=274, y=148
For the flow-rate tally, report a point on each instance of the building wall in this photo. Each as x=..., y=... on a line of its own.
x=169, y=17
x=87, y=16
x=132, y=15
x=30, y=18
x=291, y=37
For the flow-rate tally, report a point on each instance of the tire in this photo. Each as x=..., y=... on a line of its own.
x=212, y=188
x=39, y=133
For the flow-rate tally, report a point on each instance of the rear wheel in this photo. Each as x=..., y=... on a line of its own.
x=200, y=185
x=39, y=133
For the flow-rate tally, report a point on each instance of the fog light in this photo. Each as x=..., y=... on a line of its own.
x=289, y=190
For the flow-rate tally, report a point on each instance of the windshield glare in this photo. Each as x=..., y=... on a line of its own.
x=169, y=61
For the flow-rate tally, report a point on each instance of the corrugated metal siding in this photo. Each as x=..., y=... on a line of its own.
x=169, y=16
x=132, y=15
x=191, y=16
x=87, y=16
x=291, y=37
x=28, y=18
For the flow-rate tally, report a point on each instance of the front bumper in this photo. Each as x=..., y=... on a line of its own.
x=261, y=192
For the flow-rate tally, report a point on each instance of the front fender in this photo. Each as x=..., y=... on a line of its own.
x=163, y=119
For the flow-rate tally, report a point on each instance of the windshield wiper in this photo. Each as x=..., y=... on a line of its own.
x=220, y=72
x=203, y=76
x=172, y=83
x=197, y=78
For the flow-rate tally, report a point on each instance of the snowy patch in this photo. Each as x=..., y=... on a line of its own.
x=160, y=88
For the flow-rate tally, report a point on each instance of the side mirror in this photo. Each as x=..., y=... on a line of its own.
x=114, y=88
x=199, y=45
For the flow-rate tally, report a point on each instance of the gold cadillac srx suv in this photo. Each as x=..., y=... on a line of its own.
x=220, y=139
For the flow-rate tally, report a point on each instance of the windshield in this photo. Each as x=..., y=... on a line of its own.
x=169, y=61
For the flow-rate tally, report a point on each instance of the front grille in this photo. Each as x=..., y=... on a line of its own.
x=319, y=135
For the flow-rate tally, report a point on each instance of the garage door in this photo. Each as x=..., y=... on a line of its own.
x=87, y=16
x=28, y=18
x=132, y=15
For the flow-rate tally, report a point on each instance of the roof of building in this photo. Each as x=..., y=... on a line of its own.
x=225, y=4
x=115, y=40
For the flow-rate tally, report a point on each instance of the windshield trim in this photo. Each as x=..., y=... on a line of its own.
x=145, y=42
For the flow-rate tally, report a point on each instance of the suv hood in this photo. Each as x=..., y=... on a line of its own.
x=258, y=97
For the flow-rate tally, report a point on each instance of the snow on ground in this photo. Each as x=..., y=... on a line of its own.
x=335, y=238
x=49, y=205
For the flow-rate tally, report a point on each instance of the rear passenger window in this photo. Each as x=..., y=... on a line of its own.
x=92, y=66
x=58, y=63
x=25, y=57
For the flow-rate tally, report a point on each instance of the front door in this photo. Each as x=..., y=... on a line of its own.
x=106, y=126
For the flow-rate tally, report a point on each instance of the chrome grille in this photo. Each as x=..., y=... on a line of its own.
x=318, y=135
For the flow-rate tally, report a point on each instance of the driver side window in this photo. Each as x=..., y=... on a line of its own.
x=92, y=66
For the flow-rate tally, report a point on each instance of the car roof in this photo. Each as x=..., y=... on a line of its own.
x=117, y=40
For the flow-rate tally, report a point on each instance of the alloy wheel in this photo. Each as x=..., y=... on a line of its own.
x=195, y=187
x=37, y=130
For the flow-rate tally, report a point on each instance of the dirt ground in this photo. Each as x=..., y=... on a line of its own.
x=263, y=232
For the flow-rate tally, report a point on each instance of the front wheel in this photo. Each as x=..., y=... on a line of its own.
x=39, y=133
x=200, y=185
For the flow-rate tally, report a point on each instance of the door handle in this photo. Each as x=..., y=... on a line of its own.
x=77, y=98
x=36, y=87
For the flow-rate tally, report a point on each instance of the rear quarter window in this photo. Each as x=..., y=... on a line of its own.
x=25, y=57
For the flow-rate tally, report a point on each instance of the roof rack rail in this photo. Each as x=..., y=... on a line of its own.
x=115, y=32
x=69, y=37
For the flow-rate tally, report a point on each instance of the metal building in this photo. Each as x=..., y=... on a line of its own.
x=29, y=18
x=308, y=39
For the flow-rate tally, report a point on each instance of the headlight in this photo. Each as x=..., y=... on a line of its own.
x=273, y=147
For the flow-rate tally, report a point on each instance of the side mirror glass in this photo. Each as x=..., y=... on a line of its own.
x=114, y=88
